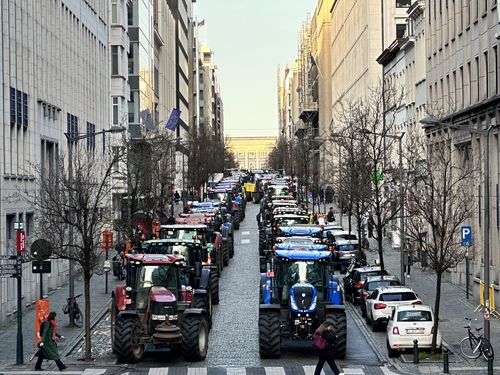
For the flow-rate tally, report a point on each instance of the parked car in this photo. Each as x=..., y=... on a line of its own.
x=383, y=299
x=373, y=283
x=408, y=323
x=344, y=251
x=354, y=279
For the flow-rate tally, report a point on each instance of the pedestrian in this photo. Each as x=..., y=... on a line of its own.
x=408, y=257
x=330, y=217
x=177, y=197
x=327, y=354
x=171, y=219
x=49, y=343
x=39, y=352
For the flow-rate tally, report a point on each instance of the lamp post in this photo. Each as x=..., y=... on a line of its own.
x=399, y=137
x=430, y=121
x=74, y=137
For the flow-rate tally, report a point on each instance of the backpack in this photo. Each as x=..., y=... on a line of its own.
x=320, y=343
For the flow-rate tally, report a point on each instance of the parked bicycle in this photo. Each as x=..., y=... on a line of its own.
x=72, y=307
x=475, y=345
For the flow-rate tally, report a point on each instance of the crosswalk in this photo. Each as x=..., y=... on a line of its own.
x=272, y=370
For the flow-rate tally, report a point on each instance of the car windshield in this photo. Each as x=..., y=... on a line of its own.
x=376, y=284
x=364, y=275
x=399, y=296
x=348, y=247
x=302, y=272
x=414, y=316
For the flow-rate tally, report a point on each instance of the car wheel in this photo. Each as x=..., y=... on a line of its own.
x=374, y=325
x=363, y=311
x=391, y=352
x=367, y=319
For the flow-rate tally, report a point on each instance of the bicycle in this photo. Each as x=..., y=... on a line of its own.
x=72, y=307
x=475, y=345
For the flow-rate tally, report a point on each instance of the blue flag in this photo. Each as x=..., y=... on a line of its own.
x=173, y=120
x=201, y=23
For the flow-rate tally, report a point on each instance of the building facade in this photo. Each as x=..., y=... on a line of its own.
x=55, y=79
x=251, y=152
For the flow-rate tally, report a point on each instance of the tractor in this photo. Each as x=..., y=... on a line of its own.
x=192, y=251
x=298, y=292
x=156, y=307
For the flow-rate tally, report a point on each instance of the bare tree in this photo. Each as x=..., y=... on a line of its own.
x=441, y=200
x=76, y=197
x=373, y=117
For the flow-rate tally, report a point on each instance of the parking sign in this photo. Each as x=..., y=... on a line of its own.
x=466, y=235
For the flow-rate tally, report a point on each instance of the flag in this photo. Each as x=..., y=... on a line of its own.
x=173, y=120
x=201, y=23
x=313, y=62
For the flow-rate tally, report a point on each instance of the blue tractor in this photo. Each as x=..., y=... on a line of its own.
x=298, y=292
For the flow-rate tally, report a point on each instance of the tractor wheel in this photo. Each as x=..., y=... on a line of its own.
x=269, y=334
x=194, y=337
x=214, y=287
x=113, y=313
x=338, y=320
x=225, y=253
x=128, y=332
x=231, y=246
x=204, y=301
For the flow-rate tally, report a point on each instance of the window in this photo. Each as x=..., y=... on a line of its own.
x=115, y=110
x=403, y=3
x=72, y=125
x=114, y=60
x=400, y=30
x=241, y=155
x=91, y=136
x=262, y=154
x=251, y=154
x=10, y=219
x=29, y=223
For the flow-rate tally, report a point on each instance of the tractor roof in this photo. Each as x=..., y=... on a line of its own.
x=303, y=255
x=183, y=226
x=155, y=258
x=301, y=230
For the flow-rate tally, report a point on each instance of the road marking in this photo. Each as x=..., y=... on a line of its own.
x=386, y=371
x=197, y=371
x=236, y=371
x=245, y=233
x=275, y=371
x=245, y=241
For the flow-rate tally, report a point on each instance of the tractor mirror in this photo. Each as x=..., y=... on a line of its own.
x=204, y=254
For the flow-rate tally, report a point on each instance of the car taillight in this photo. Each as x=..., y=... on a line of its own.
x=417, y=303
x=395, y=330
x=379, y=305
x=358, y=284
x=365, y=295
x=432, y=330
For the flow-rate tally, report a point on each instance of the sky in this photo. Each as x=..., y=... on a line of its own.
x=249, y=39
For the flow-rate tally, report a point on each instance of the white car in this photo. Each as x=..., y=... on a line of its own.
x=383, y=299
x=408, y=323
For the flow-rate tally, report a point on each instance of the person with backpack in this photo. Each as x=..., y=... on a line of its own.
x=48, y=344
x=324, y=342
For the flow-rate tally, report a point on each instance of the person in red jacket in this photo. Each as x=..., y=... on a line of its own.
x=327, y=354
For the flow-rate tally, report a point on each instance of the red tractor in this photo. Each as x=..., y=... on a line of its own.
x=156, y=307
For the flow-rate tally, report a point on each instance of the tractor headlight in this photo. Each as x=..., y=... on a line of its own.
x=158, y=317
x=313, y=304
x=173, y=317
x=293, y=304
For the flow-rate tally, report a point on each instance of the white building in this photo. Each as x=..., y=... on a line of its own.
x=54, y=75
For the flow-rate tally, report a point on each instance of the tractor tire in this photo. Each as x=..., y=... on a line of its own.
x=269, y=334
x=204, y=301
x=338, y=320
x=113, y=313
x=225, y=253
x=214, y=287
x=126, y=337
x=231, y=246
x=194, y=337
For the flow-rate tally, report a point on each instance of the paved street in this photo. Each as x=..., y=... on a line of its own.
x=454, y=307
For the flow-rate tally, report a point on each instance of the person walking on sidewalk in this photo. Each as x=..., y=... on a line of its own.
x=327, y=354
x=49, y=342
x=408, y=257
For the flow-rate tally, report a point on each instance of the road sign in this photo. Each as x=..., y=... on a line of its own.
x=466, y=235
x=9, y=270
x=41, y=266
x=41, y=249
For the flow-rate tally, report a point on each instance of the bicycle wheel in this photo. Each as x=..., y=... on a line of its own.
x=77, y=317
x=469, y=347
x=487, y=349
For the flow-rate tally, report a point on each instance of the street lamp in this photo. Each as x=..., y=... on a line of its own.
x=431, y=121
x=401, y=193
x=74, y=137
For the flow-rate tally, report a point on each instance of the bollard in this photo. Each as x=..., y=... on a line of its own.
x=446, y=363
x=415, y=351
x=490, y=363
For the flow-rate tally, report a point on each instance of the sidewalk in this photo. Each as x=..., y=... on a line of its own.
x=454, y=308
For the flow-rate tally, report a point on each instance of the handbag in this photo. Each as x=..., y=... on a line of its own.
x=320, y=343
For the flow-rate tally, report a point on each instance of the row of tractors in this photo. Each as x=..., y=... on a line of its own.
x=298, y=287
x=172, y=282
